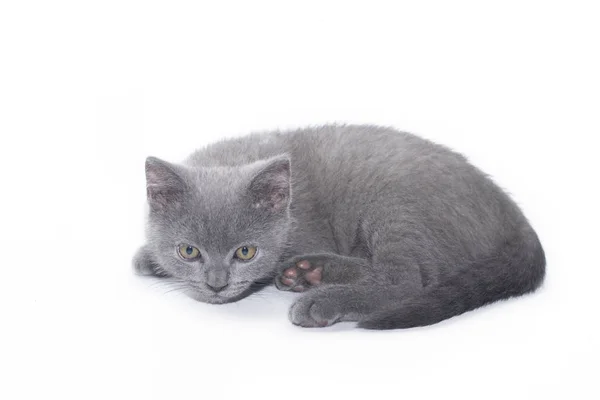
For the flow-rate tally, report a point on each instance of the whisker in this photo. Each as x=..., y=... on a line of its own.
x=180, y=290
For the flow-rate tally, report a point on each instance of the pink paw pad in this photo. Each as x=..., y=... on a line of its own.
x=302, y=274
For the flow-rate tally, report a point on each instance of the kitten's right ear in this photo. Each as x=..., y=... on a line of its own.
x=164, y=184
x=271, y=187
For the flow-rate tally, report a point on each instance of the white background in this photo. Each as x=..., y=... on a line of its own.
x=89, y=89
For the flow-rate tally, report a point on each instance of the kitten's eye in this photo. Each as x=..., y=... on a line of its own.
x=188, y=252
x=245, y=253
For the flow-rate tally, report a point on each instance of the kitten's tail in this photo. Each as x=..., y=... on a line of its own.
x=518, y=268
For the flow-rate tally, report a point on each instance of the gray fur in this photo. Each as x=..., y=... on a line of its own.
x=408, y=231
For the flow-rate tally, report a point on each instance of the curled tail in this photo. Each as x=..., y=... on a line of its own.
x=518, y=268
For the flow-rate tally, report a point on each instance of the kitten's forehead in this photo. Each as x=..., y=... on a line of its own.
x=219, y=180
x=218, y=210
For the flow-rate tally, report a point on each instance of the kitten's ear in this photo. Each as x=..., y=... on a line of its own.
x=164, y=184
x=271, y=186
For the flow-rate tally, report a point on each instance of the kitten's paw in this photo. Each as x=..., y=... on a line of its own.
x=315, y=310
x=144, y=264
x=309, y=270
x=299, y=275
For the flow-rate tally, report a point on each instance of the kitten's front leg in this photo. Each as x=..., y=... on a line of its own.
x=329, y=304
x=145, y=264
x=306, y=271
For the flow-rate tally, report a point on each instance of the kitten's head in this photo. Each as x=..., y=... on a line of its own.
x=219, y=229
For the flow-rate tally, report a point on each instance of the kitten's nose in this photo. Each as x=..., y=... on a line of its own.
x=217, y=279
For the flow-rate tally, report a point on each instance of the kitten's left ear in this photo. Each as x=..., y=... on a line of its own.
x=164, y=183
x=271, y=186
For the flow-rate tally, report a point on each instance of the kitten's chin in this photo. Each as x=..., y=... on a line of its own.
x=213, y=298
x=225, y=296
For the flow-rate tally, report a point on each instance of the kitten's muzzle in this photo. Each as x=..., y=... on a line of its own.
x=217, y=279
x=216, y=289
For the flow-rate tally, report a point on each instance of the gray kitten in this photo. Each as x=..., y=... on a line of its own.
x=374, y=225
